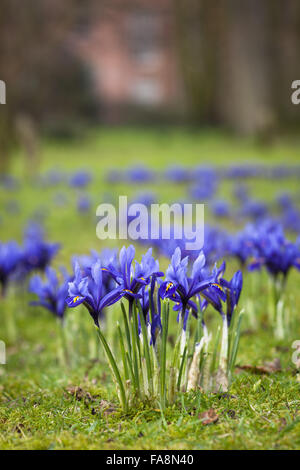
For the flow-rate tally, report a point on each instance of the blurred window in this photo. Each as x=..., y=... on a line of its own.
x=144, y=35
x=146, y=91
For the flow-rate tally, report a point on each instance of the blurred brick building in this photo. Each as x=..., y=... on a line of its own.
x=129, y=49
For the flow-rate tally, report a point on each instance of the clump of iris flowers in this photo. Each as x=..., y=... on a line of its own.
x=272, y=250
x=185, y=289
x=145, y=367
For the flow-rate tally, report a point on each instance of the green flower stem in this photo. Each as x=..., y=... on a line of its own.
x=235, y=346
x=63, y=356
x=127, y=330
x=114, y=368
x=163, y=355
x=123, y=353
x=135, y=359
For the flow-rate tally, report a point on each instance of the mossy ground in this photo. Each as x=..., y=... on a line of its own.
x=44, y=405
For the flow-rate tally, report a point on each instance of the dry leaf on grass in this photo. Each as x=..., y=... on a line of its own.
x=268, y=367
x=208, y=417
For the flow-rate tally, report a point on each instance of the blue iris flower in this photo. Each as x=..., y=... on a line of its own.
x=107, y=257
x=80, y=179
x=139, y=174
x=181, y=288
x=152, y=314
x=231, y=291
x=204, y=190
x=241, y=244
x=88, y=290
x=274, y=251
x=221, y=208
x=37, y=253
x=84, y=203
x=133, y=279
x=52, y=294
x=10, y=258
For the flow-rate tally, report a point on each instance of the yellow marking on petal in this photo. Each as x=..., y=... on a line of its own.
x=104, y=269
x=76, y=298
x=127, y=290
x=218, y=286
x=169, y=285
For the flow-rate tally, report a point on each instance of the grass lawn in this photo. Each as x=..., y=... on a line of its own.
x=44, y=405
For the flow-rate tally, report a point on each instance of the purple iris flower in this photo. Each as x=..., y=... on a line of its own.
x=83, y=203
x=156, y=327
x=133, y=279
x=107, y=257
x=151, y=310
x=221, y=208
x=10, y=259
x=52, y=294
x=274, y=251
x=80, y=179
x=231, y=291
x=37, y=253
x=241, y=244
x=180, y=287
x=88, y=290
x=203, y=190
x=139, y=174
x=203, y=173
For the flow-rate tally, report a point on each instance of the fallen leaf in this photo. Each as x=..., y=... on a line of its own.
x=208, y=417
x=268, y=367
